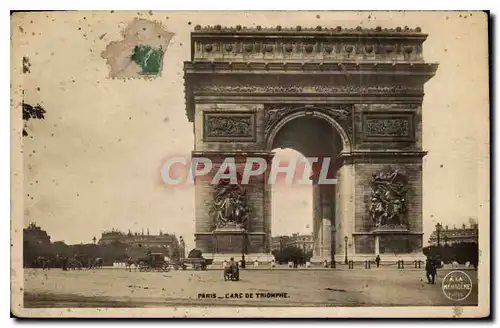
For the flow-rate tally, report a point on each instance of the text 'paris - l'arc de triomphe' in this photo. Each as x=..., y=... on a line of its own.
x=354, y=95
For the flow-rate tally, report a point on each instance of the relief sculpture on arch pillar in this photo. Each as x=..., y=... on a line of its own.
x=388, y=201
x=229, y=206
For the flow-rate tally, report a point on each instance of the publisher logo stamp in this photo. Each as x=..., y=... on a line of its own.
x=457, y=285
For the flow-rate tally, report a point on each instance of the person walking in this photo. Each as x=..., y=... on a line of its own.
x=377, y=260
x=243, y=262
x=65, y=263
x=430, y=270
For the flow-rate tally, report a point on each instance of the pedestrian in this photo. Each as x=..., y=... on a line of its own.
x=243, y=262
x=377, y=260
x=65, y=263
x=430, y=270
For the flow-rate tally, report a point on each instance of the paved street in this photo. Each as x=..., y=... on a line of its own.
x=120, y=288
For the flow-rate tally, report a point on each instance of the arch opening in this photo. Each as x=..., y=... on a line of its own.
x=303, y=214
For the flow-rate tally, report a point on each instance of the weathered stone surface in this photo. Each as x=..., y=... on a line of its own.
x=271, y=88
x=364, y=244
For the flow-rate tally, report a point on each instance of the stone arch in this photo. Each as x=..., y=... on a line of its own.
x=378, y=116
x=346, y=142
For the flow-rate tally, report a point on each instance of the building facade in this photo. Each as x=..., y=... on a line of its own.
x=303, y=242
x=141, y=240
x=451, y=236
x=34, y=235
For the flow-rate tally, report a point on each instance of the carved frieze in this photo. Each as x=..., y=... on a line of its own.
x=390, y=127
x=387, y=127
x=342, y=114
x=292, y=50
x=388, y=107
x=229, y=126
x=354, y=89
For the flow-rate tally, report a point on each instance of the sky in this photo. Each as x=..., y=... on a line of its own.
x=95, y=162
x=300, y=220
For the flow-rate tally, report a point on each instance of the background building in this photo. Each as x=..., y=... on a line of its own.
x=447, y=236
x=139, y=239
x=304, y=242
x=33, y=234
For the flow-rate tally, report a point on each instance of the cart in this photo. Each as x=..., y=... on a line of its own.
x=196, y=263
x=231, y=274
x=154, y=262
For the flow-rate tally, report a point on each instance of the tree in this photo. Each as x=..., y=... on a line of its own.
x=276, y=253
x=60, y=247
x=461, y=252
x=31, y=112
x=290, y=254
x=309, y=255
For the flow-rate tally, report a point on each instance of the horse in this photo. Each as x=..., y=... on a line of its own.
x=44, y=263
x=95, y=263
x=75, y=264
x=129, y=262
x=98, y=263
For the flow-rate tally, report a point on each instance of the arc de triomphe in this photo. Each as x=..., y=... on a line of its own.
x=354, y=95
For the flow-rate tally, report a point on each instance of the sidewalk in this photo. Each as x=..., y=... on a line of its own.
x=339, y=267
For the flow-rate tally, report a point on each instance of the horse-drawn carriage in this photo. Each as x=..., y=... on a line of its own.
x=196, y=263
x=155, y=261
x=232, y=273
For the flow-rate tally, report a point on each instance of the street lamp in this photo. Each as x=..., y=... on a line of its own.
x=438, y=232
x=345, y=240
x=244, y=244
x=94, y=251
x=182, y=251
x=332, y=252
x=304, y=252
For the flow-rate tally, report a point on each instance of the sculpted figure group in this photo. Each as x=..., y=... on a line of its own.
x=230, y=205
x=388, y=198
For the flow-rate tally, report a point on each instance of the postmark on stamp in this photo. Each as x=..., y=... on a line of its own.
x=457, y=285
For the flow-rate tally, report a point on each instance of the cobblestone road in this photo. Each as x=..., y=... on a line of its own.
x=120, y=288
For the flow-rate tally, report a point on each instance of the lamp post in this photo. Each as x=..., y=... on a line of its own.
x=94, y=250
x=244, y=244
x=439, y=227
x=345, y=240
x=438, y=232
x=182, y=251
x=332, y=251
x=304, y=252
